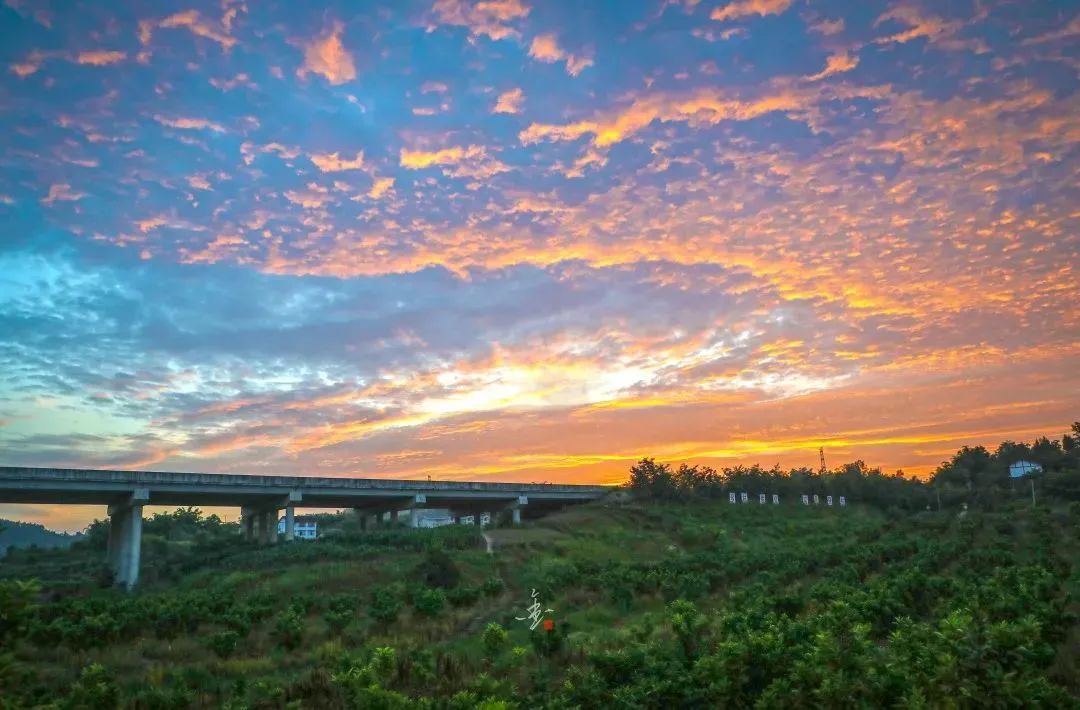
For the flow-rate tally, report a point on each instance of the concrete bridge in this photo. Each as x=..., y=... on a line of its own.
x=261, y=498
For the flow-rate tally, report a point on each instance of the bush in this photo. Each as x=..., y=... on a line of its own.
x=289, y=628
x=429, y=602
x=438, y=570
x=463, y=596
x=494, y=639
x=223, y=643
x=385, y=604
x=94, y=690
x=17, y=602
x=492, y=586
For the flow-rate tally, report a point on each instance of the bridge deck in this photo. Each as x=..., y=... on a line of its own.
x=90, y=486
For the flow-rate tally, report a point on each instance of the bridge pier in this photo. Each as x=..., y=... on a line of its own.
x=268, y=527
x=515, y=509
x=290, y=523
x=125, y=538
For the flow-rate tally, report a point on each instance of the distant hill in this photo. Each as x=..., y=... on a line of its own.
x=16, y=534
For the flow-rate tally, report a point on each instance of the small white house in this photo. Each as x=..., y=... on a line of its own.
x=303, y=529
x=1023, y=468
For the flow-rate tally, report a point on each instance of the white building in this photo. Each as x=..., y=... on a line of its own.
x=1023, y=468
x=303, y=528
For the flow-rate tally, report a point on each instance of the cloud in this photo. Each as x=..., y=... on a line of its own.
x=100, y=57
x=332, y=163
x=489, y=18
x=190, y=124
x=509, y=101
x=545, y=48
x=61, y=192
x=747, y=8
x=837, y=63
x=469, y=161
x=1072, y=29
x=194, y=23
x=703, y=107
x=937, y=31
x=380, y=187
x=828, y=27
x=30, y=65
x=327, y=57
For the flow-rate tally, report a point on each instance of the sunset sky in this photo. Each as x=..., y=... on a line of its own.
x=534, y=241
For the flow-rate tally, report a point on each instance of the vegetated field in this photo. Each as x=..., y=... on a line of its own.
x=700, y=604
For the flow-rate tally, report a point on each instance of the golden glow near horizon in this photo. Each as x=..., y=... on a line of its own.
x=515, y=241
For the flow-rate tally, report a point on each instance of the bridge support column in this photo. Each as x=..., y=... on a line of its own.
x=515, y=509
x=290, y=524
x=418, y=502
x=269, y=526
x=125, y=538
x=247, y=523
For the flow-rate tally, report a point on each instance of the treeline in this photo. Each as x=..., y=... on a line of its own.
x=974, y=475
x=854, y=480
x=977, y=475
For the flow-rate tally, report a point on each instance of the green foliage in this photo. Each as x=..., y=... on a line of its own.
x=438, y=570
x=17, y=605
x=385, y=604
x=223, y=643
x=94, y=690
x=495, y=637
x=289, y=628
x=492, y=586
x=429, y=602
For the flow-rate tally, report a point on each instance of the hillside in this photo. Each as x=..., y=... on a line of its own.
x=654, y=604
x=18, y=534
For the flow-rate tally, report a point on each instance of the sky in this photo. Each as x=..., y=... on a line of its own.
x=534, y=241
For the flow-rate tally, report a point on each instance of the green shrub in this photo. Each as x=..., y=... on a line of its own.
x=429, y=602
x=94, y=690
x=492, y=586
x=223, y=643
x=289, y=628
x=494, y=639
x=438, y=570
x=463, y=596
x=385, y=604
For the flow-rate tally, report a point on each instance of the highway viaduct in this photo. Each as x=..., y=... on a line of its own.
x=261, y=498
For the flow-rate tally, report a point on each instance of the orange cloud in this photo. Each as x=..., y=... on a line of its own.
x=545, y=48
x=100, y=57
x=509, y=101
x=470, y=161
x=193, y=22
x=28, y=66
x=380, y=187
x=332, y=163
x=327, y=57
x=482, y=17
x=704, y=107
x=836, y=64
x=746, y=8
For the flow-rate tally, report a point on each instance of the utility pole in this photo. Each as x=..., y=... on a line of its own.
x=821, y=454
x=1032, y=492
